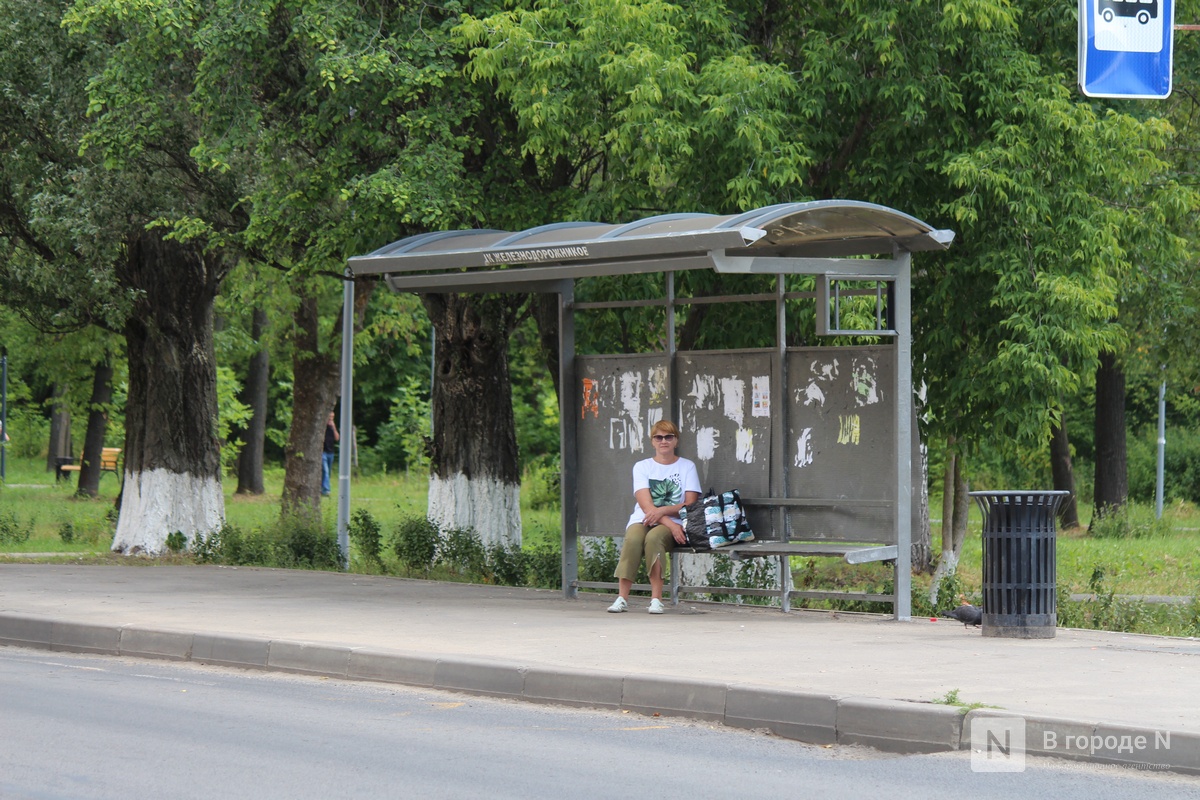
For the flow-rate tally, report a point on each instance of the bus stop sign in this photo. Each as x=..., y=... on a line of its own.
x=1125, y=48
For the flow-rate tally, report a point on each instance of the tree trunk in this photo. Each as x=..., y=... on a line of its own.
x=316, y=385
x=948, y=561
x=316, y=375
x=1112, y=483
x=60, y=429
x=97, y=426
x=250, y=460
x=172, y=457
x=922, y=537
x=962, y=505
x=474, y=477
x=545, y=314
x=1063, y=473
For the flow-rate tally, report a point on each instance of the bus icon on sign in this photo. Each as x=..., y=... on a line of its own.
x=1141, y=10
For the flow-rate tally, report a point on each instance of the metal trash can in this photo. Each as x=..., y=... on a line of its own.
x=1019, y=583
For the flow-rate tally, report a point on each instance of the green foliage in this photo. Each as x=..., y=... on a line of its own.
x=757, y=573
x=366, y=534
x=598, y=559
x=545, y=565
x=230, y=545
x=542, y=483
x=951, y=698
x=232, y=414
x=291, y=542
x=404, y=439
x=1129, y=522
x=506, y=564
x=1181, y=465
x=1105, y=610
x=305, y=544
x=11, y=529
x=416, y=542
x=462, y=551
x=66, y=532
x=176, y=541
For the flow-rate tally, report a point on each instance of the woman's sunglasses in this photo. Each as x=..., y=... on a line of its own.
x=663, y=437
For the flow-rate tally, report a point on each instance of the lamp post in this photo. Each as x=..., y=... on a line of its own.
x=3, y=413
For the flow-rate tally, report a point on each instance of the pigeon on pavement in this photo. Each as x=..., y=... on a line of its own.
x=967, y=614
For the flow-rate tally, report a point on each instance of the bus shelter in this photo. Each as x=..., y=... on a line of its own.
x=818, y=440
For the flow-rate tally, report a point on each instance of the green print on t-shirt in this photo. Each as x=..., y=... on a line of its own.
x=665, y=492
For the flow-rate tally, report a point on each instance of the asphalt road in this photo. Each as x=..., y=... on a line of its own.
x=90, y=727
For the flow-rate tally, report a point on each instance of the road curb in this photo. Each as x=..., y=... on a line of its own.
x=889, y=725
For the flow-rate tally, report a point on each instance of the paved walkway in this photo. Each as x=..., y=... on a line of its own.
x=813, y=676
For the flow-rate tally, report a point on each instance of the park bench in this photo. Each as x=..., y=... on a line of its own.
x=109, y=462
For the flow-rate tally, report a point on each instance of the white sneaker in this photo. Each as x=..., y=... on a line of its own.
x=618, y=606
x=656, y=606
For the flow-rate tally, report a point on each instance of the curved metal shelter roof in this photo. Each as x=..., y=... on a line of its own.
x=491, y=260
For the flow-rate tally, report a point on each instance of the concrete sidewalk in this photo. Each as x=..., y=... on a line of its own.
x=811, y=676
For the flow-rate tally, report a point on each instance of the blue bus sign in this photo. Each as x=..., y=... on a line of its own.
x=1125, y=48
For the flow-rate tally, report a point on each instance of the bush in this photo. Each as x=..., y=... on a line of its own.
x=462, y=552
x=66, y=532
x=598, y=560
x=12, y=531
x=506, y=564
x=307, y=544
x=416, y=543
x=1128, y=522
x=365, y=532
x=545, y=565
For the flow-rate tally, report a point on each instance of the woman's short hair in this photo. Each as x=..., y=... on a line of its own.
x=664, y=426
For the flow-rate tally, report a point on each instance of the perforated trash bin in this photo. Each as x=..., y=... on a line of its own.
x=1019, y=583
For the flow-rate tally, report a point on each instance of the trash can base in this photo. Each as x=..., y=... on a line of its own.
x=1020, y=626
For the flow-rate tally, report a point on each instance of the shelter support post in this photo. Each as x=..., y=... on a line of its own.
x=347, y=421
x=902, y=289
x=568, y=440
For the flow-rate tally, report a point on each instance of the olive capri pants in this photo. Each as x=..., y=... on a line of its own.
x=641, y=542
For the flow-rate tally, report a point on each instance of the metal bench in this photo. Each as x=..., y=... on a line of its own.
x=783, y=551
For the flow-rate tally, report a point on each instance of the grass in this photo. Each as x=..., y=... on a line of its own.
x=30, y=497
x=1163, y=562
x=1141, y=558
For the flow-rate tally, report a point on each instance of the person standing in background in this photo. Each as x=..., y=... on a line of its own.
x=328, y=451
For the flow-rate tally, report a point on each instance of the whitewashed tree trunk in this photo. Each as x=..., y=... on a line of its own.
x=490, y=506
x=172, y=456
x=474, y=479
x=157, y=503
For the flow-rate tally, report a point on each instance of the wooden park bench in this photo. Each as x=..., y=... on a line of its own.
x=110, y=458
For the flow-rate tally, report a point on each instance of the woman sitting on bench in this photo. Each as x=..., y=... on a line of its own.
x=662, y=485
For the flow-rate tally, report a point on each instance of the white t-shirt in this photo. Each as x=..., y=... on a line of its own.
x=666, y=482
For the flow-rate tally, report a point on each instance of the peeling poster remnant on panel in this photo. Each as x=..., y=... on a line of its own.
x=849, y=431
x=866, y=384
x=804, y=448
x=657, y=380
x=761, y=392
x=821, y=374
x=704, y=391
x=591, y=399
x=745, y=446
x=706, y=443
x=733, y=393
